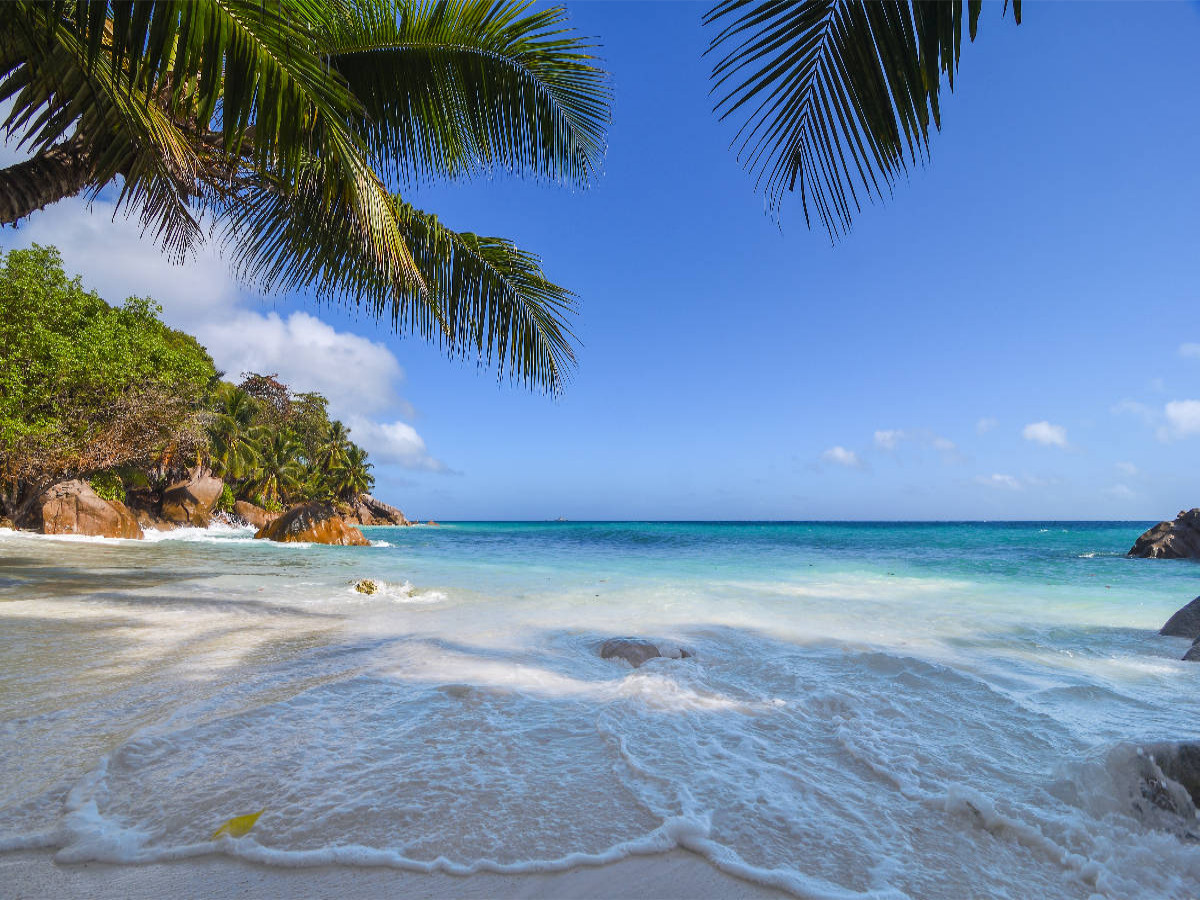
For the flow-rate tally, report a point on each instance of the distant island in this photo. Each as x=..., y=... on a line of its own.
x=112, y=422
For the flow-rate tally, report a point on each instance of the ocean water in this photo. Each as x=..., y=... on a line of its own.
x=870, y=710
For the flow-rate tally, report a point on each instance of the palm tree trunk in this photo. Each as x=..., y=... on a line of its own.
x=57, y=172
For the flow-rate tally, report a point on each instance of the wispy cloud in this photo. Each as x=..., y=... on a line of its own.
x=1134, y=408
x=1191, y=351
x=986, y=424
x=1121, y=492
x=889, y=439
x=1127, y=468
x=1045, y=434
x=840, y=456
x=1007, y=482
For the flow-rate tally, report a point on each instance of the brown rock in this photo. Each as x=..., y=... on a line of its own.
x=317, y=523
x=253, y=515
x=366, y=510
x=72, y=507
x=190, y=502
x=1179, y=539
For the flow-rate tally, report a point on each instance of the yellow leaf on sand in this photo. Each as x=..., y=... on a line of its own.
x=238, y=826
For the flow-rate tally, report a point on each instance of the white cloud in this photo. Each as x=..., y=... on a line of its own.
x=1121, y=492
x=1127, y=468
x=842, y=457
x=984, y=425
x=1183, y=417
x=1190, y=350
x=945, y=445
x=888, y=440
x=357, y=375
x=360, y=377
x=396, y=443
x=1046, y=434
x=1009, y=482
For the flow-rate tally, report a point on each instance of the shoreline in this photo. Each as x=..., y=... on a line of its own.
x=674, y=875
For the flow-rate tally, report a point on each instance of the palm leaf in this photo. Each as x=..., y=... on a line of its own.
x=835, y=97
x=479, y=296
x=455, y=86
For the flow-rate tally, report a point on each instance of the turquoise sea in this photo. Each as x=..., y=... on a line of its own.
x=937, y=710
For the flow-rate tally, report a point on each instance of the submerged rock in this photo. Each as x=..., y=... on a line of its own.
x=1179, y=539
x=366, y=586
x=637, y=651
x=1185, y=623
x=253, y=515
x=191, y=501
x=1193, y=653
x=72, y=507
x=316, y=523
x=1168, y=768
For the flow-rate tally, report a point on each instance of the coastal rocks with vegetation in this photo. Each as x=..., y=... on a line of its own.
x=253, y=515
x=191, y=500
x=72, y=507
x=637, y=651
x=317, y=523
x=1178, y=539
x=366, y=510
x=366, y=586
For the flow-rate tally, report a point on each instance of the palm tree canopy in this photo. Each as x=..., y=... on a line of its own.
x=293, y=124
x=835, y=97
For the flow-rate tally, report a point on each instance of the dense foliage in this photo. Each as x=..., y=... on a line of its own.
x=274, y=447
x=111, y=394
x=86, y=387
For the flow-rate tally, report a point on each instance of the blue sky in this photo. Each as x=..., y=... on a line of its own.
x=1013, y=335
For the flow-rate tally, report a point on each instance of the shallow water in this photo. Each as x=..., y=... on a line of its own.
x=882, y=710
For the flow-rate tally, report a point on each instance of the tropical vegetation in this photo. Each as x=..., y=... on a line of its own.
x=292, y=131
x=111, y=394
x=836, y=97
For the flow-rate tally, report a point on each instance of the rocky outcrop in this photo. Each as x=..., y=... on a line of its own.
x=316, y=523
x=254, y=515
x=191, y=501
x=366, y=510
x=1179, y=539
x=637, y=651
x=366, y=586
x=1185, y=623
x=72, y=507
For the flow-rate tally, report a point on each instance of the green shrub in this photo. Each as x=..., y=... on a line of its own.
x=108, y=486
x=226, y=500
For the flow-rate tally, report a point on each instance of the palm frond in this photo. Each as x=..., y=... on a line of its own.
x=479, y=296
x=835, y=97
x=451, y=87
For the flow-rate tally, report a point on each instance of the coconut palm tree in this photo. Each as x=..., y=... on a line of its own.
x=278, y=471
x=233, y=449
x=297, y=126
x=352, y=475
x=334, y=446
x=835, y=97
